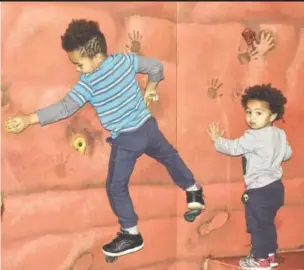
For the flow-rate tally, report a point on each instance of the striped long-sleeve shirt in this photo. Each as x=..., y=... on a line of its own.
x=114, y=92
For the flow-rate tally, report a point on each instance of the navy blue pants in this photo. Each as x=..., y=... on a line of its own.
x=125, y=150
x=261, y=206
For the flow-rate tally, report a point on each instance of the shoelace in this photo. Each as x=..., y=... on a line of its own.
x=118, y=237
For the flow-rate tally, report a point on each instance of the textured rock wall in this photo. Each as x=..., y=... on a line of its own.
x=56, y=213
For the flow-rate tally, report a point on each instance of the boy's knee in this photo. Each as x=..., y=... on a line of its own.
x=117, y=188
x=169, y=152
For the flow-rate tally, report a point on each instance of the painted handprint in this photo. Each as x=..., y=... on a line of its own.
x=256, y=49
x=60, y=167
x=135, y=45
x=266, y=43
x=213, y=88
x=237, y=91
x=244, y=57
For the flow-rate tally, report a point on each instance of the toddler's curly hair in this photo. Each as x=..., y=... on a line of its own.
x=271, y=95
x=85, y=36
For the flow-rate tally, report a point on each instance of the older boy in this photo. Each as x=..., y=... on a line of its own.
x=108, y=83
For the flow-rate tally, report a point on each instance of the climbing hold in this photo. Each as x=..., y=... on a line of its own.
x=249, y=36
x=79, y=144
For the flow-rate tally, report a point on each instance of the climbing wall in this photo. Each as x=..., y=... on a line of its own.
x=212, y=73
x=56, y=213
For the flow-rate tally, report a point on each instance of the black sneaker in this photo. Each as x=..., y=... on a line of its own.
x=195, y=199
x=123, y=244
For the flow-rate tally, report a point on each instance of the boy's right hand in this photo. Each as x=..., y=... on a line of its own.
x=17, y=124
x=150, y=96
x=214, y=131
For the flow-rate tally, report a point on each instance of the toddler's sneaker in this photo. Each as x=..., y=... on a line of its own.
x=273, y=260
x=250, y=263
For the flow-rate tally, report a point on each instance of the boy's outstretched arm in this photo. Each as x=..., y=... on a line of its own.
x=66, y=107
x=53, y=113
x=61, y=110
x=235, y=147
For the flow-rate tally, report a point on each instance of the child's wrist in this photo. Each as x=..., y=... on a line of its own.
x=217, y=138
x=151, y=86
x=150, y=90
x=32, y=119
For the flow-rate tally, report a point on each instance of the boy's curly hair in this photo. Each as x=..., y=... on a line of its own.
x=85, y=36
x=265, y=92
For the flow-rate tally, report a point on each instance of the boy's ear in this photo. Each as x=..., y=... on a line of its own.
x=273, y=117
x=98, y=57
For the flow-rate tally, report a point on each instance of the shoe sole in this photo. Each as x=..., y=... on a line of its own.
x=253, y=267
x=123, y=252
x=274, y=264
x=196, y=206
x=256, y=268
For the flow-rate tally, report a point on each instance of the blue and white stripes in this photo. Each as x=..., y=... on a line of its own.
x=114, y=92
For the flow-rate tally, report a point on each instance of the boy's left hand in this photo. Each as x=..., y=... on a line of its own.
x=214, y=131
x=150, y=96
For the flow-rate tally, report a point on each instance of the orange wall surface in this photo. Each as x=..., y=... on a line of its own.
x=56, y=212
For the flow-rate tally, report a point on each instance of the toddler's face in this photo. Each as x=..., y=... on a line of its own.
x=258, y=114
x=84, y=64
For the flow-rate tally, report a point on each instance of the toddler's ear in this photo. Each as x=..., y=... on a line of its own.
x=273, y=117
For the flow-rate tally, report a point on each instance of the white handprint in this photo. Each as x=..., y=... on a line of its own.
x=259, y=49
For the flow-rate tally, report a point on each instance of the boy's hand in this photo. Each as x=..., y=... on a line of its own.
x=214, y=131
x=150, y=95
x=18, y=123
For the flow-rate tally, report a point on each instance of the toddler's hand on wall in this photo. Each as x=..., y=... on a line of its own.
x=214, y=131
x=17, y=124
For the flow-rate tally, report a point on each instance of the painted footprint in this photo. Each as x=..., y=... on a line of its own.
x=216, y=222
x=83, y=261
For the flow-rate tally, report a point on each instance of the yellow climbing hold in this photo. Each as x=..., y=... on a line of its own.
x=79, y=144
